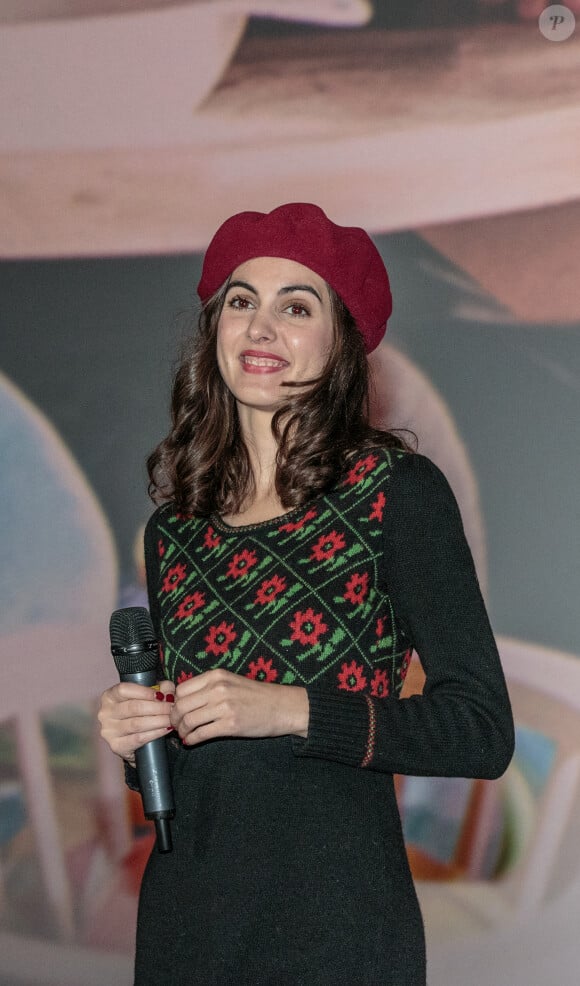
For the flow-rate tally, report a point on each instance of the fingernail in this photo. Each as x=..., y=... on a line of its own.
x=170, y=697
x=169, y=729
x=160, y=696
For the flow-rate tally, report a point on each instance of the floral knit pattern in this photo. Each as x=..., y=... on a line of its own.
x=296, y=600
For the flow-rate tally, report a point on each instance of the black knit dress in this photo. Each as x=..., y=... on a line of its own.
x=289, y=867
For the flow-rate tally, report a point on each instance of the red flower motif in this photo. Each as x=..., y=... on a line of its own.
x=184, y=676
x=269, y=589
x=380, y=627
x=378, y=506
x=405, y=664
x=181, y=516
x=299, y=524
x=360, y=470
x=241, y=563
x=174, y=577
x=308, y=627
x=380, y=684
x=351, y=677
x=160, y=548
x=188, y=606
x=262, y=670
x=327, y=546
x=219, y=638
x=211, y=539
x=356, y=588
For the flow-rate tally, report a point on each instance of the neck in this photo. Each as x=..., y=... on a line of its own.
x=256, y=428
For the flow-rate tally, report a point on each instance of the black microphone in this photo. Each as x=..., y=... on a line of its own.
x=136, y=655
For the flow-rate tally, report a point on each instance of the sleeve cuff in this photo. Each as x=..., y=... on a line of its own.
x=338, y=727
x=131, y=777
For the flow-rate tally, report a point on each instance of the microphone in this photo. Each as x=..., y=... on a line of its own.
x=136, y=655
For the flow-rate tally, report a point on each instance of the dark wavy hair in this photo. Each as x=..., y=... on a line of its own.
x=203, y=464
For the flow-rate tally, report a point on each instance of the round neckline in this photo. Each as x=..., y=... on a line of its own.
x=280, y=519
x=285, y=518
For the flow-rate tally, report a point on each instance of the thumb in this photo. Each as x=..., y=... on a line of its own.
x=167, y=687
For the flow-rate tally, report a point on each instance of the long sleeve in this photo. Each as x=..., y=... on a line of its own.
x=151, y=566
x=152, y=571
x=462, y=724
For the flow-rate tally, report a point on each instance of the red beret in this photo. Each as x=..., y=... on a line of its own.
x=345, y=256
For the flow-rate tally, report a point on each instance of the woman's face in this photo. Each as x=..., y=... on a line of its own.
x=276, y=326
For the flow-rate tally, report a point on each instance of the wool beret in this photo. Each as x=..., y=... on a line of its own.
x=345, y=256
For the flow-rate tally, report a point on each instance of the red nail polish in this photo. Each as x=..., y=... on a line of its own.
x=169, y=729
x=160, y=696
x=170, y=697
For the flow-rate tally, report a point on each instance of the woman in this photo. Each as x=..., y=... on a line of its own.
x=296, y=560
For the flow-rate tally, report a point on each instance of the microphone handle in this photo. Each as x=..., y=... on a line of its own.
x=153, y=774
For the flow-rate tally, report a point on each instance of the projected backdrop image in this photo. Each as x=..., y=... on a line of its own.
x=448, y=131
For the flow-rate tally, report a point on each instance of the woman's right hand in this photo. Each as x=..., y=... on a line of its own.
x=130, y=715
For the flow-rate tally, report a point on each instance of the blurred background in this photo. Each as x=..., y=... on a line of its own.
x=129, y=130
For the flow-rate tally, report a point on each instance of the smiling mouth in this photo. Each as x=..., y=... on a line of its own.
x=266, y=361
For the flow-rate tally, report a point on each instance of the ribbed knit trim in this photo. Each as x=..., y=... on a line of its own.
x=131, y=777
x=372, y=733
x=338, y=727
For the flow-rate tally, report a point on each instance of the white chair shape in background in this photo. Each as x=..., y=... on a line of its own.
x=58, y=585
x=459, y=908
x=522, y=928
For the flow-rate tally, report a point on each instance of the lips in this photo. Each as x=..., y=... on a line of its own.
x=256, y=361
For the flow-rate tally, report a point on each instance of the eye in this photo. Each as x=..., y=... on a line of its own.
x=298, y=309
x=239, y=302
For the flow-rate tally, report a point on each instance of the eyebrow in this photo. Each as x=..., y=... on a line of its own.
x=300, y=287
x=285, y=290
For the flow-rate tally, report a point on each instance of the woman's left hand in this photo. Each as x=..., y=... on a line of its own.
x=219, y=703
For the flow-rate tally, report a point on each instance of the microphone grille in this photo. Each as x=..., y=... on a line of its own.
x=133, y=640
x=131, y=625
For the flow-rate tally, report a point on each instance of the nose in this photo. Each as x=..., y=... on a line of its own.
x=261, y=327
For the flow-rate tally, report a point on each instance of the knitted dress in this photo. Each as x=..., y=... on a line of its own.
x=289, y=867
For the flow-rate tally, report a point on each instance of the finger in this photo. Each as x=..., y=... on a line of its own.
x=148, y=722
x=167, y=688
x=125, y=746
x=131, y=725
x=195, y=708
x=206, y=679
x=210, y=730
x=129, y=689
x=112, y=726
x=223, y=717
x=190, y=720
x=114, y=708
x=148, y=708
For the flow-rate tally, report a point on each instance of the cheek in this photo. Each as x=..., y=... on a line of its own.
x=223, y=346
x=319, y=347
x=224, y=367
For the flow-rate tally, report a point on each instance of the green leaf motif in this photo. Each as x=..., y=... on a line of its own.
x=296, y=587
x=326, y=652
x=355, y=549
